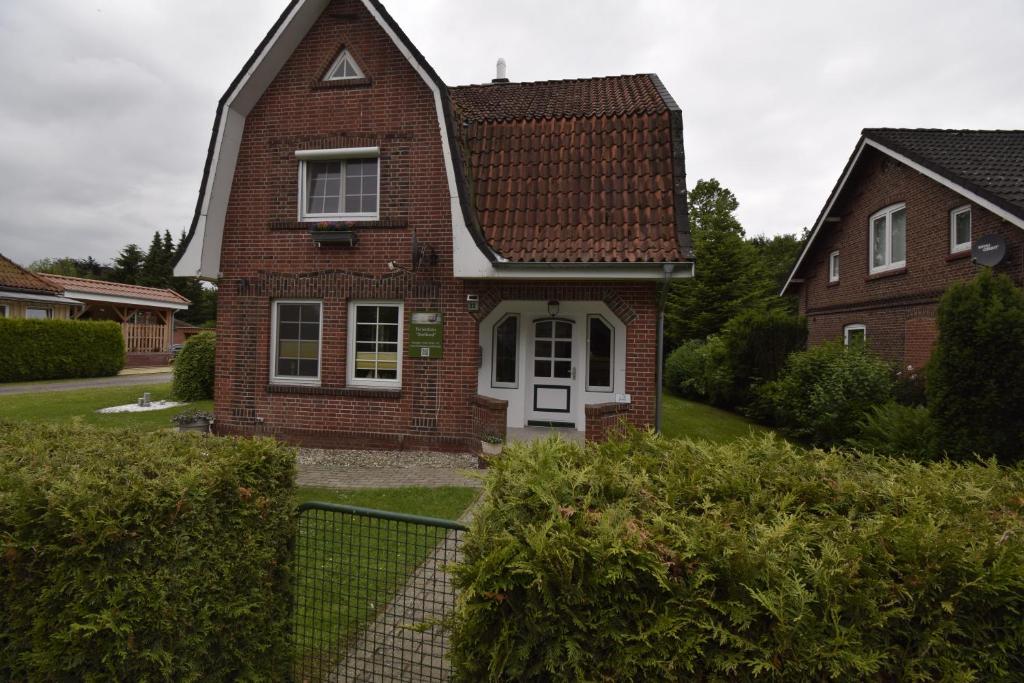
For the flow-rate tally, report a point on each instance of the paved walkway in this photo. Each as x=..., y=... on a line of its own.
x=94, y=383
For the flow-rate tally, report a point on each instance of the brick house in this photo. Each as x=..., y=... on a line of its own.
x=23, y=294
x=898, y=229
x=405, y=264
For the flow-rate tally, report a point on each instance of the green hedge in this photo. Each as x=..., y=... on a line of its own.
x=648, y=559
x=57, y=349
x=128, y=556
x=194, y=368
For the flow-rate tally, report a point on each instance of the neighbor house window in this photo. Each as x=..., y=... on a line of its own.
x=342, y=184
x=3, y=310
x=600, y=343
x=506, y=352
x=833, y=267
x=854, y=335
x=296, y=335
x=888, y=239
x=374, y=344
x=960, y=229
x=344, y=68
x=39, y=313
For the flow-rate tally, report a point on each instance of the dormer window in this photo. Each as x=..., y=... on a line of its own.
x=339, y=184
x=344, y=68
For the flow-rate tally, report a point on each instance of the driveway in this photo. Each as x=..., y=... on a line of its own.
x=94, y=383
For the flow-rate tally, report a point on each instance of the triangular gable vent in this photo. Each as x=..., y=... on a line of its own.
x=344, y=68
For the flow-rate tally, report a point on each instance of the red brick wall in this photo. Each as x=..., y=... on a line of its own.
x=886, y=303
x=605, y=420
x=490, y=417
x=268, y=255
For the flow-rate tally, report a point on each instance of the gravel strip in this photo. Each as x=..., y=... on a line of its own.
x=322, y=457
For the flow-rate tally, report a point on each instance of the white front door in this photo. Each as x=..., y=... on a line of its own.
x=551, y=372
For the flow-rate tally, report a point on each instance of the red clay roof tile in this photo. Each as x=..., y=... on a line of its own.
x=102, y=287
x=14, y=277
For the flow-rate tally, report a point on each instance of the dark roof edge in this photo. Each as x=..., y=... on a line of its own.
x=878, y=135
x=216, y=126
x=679, y=195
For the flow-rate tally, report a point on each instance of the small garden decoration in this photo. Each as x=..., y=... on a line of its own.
x=193, y=421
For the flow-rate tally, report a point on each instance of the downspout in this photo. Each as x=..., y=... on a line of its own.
x=668, y=267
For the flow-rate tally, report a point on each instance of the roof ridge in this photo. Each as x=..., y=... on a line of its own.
x=581, y=79
x=946, y=130
x=105, y=282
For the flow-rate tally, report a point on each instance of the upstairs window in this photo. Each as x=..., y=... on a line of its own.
x=888, y=239
x=339, y=184
x=960, y=230
x=833, y=267
x=344, y=68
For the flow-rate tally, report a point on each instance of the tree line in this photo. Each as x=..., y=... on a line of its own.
x=151, y=268
x=734, y=273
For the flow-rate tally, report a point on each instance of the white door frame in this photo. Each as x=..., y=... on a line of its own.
x=550, y=397
x=519, y=393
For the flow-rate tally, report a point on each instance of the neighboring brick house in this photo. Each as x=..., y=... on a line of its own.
x=23, y=294
x=898, y=229
x=404, y=264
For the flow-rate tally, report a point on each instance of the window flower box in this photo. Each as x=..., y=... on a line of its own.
x=333, y=233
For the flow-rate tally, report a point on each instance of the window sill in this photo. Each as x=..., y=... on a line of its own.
x=958, y=255
x=832, y=283
x=886, y=273
x=313, y=390
x=338, y=225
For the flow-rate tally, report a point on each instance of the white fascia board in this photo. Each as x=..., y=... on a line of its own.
x=125, y=300
x=39, y=298
x=943, y=180
x=824, y=214
x=559, y=271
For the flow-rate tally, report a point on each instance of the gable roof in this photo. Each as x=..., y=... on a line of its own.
x=985, y=166
x=576, y=170
x=15, y=278
x=474, y=256
x=82, y=287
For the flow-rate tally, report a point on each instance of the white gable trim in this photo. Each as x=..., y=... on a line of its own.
x=941, y=179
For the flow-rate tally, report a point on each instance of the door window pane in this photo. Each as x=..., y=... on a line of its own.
x=298, y=340
x=506, y=337
x=599, y=354
x=542, y=368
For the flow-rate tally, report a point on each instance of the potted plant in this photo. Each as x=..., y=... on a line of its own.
x=193, y=421
x=490, y=447
x=333, y=233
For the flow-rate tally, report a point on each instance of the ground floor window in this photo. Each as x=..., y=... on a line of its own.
x=296, y=330
x=38, y=313
x=855, y=334
x=600, y=340
x=3, y=310
x=506, y=351
x=375, y=336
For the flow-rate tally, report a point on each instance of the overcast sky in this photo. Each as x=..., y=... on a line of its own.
x=106, y=105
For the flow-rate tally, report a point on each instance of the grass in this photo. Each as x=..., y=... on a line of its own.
x=682, y=418
x=61, y=406
x=350, y=567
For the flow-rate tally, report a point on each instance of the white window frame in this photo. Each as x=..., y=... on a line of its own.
x=350, y=370
x=605, y=389
x=5, y=312
x=833, y=266
x=494, y=352
x=955, y=248
x=49, y=312
x=887, y=212
x=289, y=379
x=853, y=328
x=351, y=60
x=343, y=154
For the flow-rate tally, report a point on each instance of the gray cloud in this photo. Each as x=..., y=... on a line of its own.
x=108, y=104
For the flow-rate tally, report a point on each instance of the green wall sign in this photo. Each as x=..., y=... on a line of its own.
x=426, y=332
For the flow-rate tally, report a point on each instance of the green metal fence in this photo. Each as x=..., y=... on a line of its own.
x=371, y=592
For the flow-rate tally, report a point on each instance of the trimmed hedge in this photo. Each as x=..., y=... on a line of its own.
x=194, y=368
x=59, y=349
x=129, y=556
x=649, y=559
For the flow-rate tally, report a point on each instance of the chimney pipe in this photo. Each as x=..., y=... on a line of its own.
x=501, y=78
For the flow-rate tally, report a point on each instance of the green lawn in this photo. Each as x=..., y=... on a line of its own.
x=681, y=418
x=350, y=567
x=61, y=406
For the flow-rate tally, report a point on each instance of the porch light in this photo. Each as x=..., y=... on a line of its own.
x=552, y=308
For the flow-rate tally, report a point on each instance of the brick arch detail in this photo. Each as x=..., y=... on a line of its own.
x=493, y=296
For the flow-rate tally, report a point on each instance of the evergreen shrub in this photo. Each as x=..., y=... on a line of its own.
x=898, y=430
x=194, y=368
x=976, y=375
x=823, y=392
x=648, y=559
x=757, y=343
x=130, y=556
x=59, y=349
x=698, y=369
